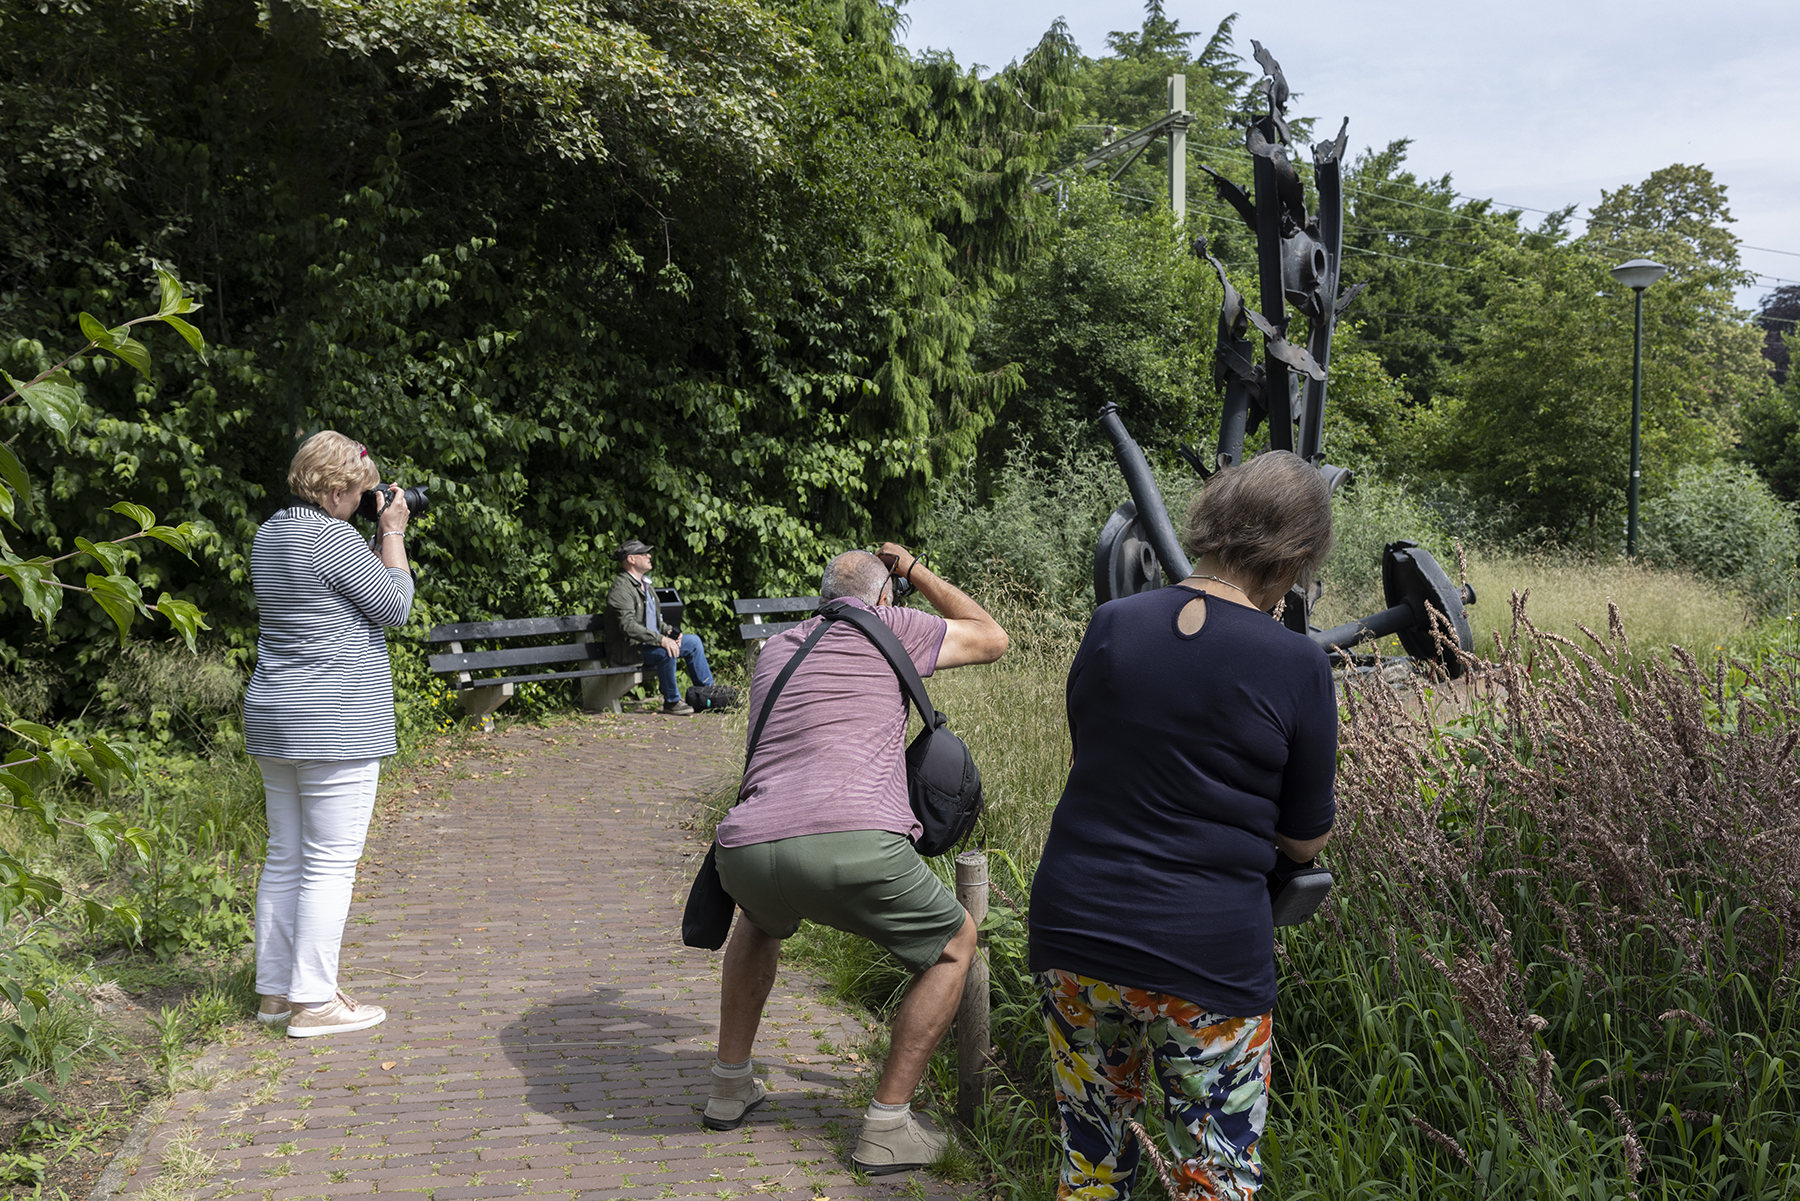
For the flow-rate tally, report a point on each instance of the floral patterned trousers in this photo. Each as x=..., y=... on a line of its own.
x=1214, y=1073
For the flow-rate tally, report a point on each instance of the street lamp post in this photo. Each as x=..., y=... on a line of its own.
x=1637, y=275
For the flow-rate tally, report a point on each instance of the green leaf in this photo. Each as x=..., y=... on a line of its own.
x=187, y=331
x=181, y=537
x=117, y=758
x=37, y=587
x=184, y=616
x=120, y=597
x=141, y=842
x=13, y=472
x=83, y=758
x=97, y=333
x=103, y=843
x=93, y=913
x=138, y=513
x=171, y=293
x=110, y=554
x=19, y=788
x=128, y=916
x=55, y=399
x=31, y=731
x=135, y=353
x=39, y=1091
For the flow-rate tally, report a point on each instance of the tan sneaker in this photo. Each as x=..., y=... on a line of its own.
x=340, y=1015
x=897, y=1145
x=733, y=1097
x=273, y=1010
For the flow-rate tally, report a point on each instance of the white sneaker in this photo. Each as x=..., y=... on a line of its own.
x=340, y=1015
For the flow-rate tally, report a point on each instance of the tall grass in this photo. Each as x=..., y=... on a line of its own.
x=1661, y=608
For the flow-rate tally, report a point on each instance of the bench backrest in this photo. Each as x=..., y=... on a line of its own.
x=521, y=627
x=584, y=646
x=755, y=608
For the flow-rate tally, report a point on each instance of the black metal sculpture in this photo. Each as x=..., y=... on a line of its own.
x=1298, y=259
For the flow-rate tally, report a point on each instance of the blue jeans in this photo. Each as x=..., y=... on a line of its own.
x=663, y=663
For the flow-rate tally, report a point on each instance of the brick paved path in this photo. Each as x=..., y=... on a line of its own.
x=519, y=914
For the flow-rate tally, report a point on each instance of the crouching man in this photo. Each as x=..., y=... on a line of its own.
x=824, y=831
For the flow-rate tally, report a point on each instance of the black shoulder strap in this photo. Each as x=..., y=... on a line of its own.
x=787, y=672
x=889, y=645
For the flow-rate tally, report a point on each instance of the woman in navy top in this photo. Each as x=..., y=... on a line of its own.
x=1205, y=737
x=318, y=717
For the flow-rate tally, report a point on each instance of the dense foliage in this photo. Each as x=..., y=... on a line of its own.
x=705, y=273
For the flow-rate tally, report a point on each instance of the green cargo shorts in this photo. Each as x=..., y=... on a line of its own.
x=865, y=882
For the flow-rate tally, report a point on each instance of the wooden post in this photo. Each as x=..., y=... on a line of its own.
x=972, y=1017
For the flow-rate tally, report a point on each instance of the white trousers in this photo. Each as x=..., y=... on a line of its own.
x=318, y=818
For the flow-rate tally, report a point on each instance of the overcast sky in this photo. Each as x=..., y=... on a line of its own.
x=1533, y=103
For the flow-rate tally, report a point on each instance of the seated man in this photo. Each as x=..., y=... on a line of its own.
x=636, y=633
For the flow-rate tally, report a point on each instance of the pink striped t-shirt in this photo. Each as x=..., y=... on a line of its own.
x=832, y=756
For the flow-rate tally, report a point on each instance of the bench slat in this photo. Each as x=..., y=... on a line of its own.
x=768, y=629
x=774, y=604
x=520, y=627
x=517, y=656
x=547, y=675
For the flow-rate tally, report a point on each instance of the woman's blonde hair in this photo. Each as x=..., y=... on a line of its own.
x=329, y=462
x=1269, y=519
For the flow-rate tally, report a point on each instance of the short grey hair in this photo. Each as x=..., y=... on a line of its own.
x=854, y=573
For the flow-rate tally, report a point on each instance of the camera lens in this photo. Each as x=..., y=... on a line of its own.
x=373, y=501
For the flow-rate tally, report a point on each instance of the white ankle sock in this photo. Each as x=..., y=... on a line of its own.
x=731, y=1069
x=878, y=1112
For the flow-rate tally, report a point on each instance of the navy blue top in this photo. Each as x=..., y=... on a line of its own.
x=1191, y=752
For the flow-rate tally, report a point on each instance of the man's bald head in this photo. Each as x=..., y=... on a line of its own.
x=854, y=573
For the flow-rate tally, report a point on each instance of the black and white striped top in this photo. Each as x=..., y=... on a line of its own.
x=322, y=688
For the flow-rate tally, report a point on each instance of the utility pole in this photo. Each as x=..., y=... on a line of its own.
x=1178, y=148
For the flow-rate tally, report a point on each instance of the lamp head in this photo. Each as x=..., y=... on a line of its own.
x=1639, y=274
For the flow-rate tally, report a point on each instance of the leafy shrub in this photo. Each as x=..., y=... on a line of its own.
x=21, y=1167
x=192, y=904
x=168, y=692
x=1367, y=515
x=1724, y=522
x=1031, y=533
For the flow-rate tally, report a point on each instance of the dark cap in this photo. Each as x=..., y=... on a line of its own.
x=633, y=546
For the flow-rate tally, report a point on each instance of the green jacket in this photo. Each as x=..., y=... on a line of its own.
x=627, y=631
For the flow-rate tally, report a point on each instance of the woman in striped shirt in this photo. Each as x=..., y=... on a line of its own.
x=319, y=717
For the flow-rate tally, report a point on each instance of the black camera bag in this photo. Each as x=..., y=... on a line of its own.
x=704, y=697
x=942, y=780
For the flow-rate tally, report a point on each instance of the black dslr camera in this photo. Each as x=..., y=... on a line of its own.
x=377, y=499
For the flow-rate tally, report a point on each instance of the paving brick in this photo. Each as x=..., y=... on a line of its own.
x=550, y=1035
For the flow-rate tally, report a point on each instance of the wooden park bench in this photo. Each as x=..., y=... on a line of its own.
x=759, y=629
x=602, y=685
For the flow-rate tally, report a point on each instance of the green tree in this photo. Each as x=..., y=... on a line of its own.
x=1112, y=310
x=1417, y=251
x=1539, y=420
x=1680, y=217
x=1770, y=426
